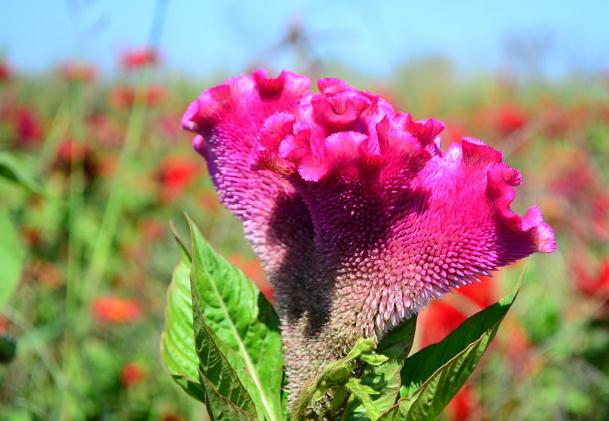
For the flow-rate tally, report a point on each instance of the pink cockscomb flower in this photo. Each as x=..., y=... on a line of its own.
x=358, y=216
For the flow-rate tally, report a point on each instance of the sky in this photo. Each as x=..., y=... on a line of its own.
x=371, y=37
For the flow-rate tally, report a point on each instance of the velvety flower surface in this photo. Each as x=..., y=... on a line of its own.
x=358, y=216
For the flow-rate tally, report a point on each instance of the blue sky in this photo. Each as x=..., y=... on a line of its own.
x=373, y=37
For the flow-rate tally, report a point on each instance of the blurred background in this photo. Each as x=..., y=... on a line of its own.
x=93, y=166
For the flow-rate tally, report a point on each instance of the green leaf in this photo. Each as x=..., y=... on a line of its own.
x=11, y=257
x=178, y=340
x=333, y=379
x=245, y=324
x=432, y=376
x=382, y=373
x=226, y=398
x=364, y=394
x=12, y=170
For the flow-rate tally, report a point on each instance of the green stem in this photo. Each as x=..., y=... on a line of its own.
x=105, y=237
x=72, y=335
x=59, y=125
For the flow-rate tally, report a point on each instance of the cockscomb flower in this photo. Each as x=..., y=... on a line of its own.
x=358, y=216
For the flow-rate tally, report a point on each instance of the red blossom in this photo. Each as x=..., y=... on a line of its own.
x=131, y=374
x=176, y=174
x=510, y=119
x=139, y=58
x=592, y=286
x=437, y=321
x=483, y=293
x=27, y=127
x=124, y=96
x=71, y=154
x=5, y=72
x=4, y=324
x=463, y=405
x=253, y=270
x=78, y=71
x=169, y=416
x=112, y=309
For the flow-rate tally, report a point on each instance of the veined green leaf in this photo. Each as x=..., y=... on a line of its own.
x=383, y=376
x=432, y=376
x=11, y=257
x=244, y=323
x=226, y=397
x=178, y=342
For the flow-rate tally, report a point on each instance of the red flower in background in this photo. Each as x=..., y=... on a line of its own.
x=4, y=324
x=600, y=216
x=121, y=97
x=510, y=119
x=175, y=175
x=71, y=153
x=124, y=96
x=78, y=71
x=138, y=58
x=592, y=285
x=155, y=94
x=5, y=72
x=441, y=317
x=26, y=126
x=131, y=374
x=253, y=270
x=112, y=309
x=464, y=405
x=438, y=320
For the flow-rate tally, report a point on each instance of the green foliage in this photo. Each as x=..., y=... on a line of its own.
x=432, y=376
x=384, y=378
x=177, y=342
x=12, y=170
x=11, y=257
x=224, y=345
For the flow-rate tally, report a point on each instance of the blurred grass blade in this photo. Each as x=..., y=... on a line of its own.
x=12, y=170
x=434, y=375
x=177, y=342
x=245, y=323
x=11, y=257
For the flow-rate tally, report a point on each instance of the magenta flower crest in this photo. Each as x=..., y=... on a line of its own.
x=357, y=214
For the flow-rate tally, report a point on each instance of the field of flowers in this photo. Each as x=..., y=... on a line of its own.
x=92, y=171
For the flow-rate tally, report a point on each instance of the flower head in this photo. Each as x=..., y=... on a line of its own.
x=77, y=71
x=139, y=58
x=5, y=71
x=591, y=286
x=111, y=309
x=358, y=216
x=175, y=175
x=132, y=374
